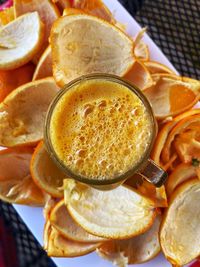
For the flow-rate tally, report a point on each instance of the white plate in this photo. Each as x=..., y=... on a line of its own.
x=33, y=217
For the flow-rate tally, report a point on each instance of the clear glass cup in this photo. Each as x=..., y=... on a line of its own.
x=145, y=167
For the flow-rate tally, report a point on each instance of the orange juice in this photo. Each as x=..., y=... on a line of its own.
x=100, y=129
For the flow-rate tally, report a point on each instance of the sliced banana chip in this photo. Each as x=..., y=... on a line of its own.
x=135, y=250
x=119, y=213
x=180, y=229
x=22, y=113
x=20, y=40
x=59, y=246
x=100, y=48
x=66, y=226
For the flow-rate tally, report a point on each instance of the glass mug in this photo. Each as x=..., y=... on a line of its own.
x=145, y=166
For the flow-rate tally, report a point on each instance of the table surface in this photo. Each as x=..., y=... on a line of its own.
x=173, y=25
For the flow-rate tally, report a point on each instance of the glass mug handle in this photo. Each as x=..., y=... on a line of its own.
x=153, y=173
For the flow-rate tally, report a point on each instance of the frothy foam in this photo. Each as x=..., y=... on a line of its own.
x=100, y=129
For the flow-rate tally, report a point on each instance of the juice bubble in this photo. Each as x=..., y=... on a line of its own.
x=81, y=152
x=87, y=109
x=78, y=162
x=102, y=104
